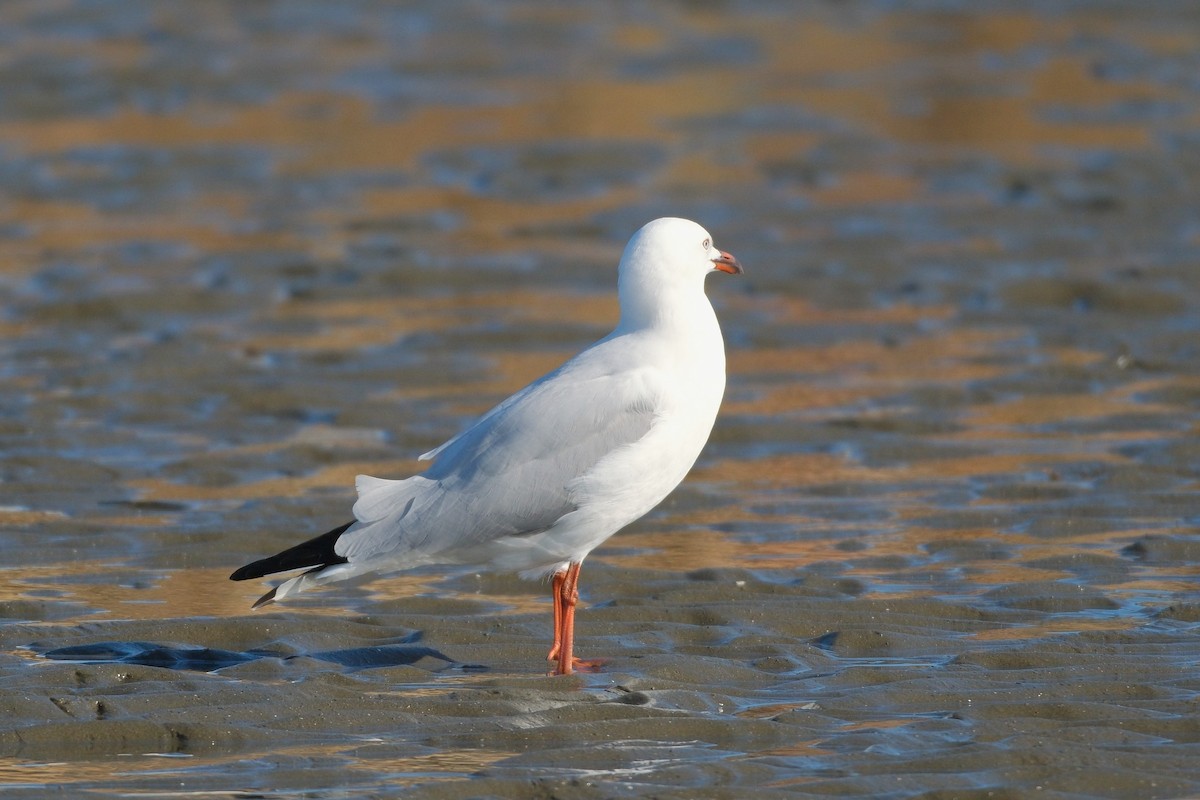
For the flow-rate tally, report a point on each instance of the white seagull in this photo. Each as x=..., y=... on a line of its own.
x=542, y=479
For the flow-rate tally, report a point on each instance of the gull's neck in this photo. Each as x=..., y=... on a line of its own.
x=646, y=305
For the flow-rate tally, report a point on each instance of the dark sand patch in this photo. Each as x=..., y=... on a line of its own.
x=895, y=693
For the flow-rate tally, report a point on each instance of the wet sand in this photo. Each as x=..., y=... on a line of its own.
x=943, y=543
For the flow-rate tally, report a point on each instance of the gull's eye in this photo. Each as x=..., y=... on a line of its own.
x=707, y=244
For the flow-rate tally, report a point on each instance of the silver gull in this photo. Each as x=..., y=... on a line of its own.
x=545, y=477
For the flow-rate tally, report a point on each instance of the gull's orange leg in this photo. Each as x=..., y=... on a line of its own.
x=556, y=586
x=566, y=597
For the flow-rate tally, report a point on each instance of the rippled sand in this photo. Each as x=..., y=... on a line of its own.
x=943, y=542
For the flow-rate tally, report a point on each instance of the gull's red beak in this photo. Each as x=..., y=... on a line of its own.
x=727, y=263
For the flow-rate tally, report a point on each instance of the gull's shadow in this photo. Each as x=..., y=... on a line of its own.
x=210, y=659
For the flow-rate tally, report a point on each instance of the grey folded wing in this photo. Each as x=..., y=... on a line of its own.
x=510, y=473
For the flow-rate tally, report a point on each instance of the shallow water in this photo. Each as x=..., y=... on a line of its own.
x=942, y=543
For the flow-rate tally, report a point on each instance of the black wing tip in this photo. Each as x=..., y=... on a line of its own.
x=317, y=552
x=245, y=573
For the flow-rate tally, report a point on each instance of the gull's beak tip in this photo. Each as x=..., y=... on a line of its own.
x=727, y=263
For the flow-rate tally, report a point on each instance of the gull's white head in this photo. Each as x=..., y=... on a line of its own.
x=665, y=262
